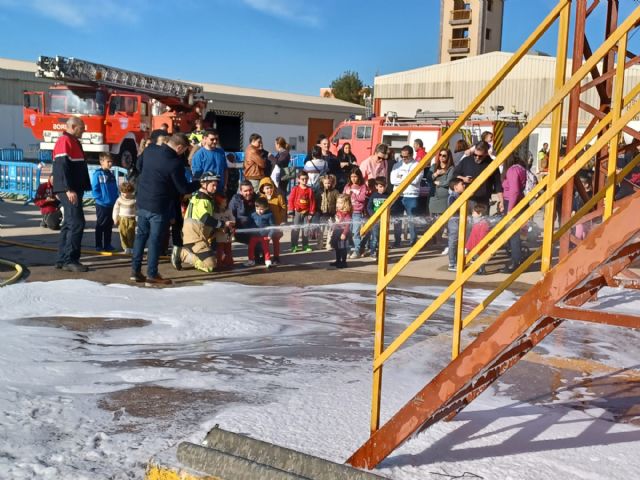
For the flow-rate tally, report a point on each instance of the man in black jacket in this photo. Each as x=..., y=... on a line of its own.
x=161, y=181
x=471, y=167
x=242, y=205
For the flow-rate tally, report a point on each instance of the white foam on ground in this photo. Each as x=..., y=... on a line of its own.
x=296, y=368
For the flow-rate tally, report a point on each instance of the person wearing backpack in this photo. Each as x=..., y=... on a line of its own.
x=514, y=181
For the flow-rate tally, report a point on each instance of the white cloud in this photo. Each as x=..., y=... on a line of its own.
x=80, y=14
x=292, y=10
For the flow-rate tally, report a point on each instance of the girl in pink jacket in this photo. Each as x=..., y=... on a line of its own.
x=357, y=190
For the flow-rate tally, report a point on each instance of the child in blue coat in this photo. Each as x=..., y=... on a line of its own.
x=105, y=192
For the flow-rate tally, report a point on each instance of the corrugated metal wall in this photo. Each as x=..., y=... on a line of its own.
x=14, y=82
x=527, y=87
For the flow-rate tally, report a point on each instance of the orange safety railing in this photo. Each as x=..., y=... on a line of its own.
x=561, y=170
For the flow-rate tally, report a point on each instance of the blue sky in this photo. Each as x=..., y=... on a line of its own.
x=288, y=45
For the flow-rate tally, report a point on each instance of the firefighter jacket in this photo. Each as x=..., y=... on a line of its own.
x=199, y=222
x=70, y=172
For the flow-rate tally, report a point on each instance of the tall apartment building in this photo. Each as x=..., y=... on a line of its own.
x=469, y=28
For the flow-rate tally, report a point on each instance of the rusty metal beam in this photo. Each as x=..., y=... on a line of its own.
x=594, y=316
x=595, y=73
x=502, y=343
x=592, y=7
x=606, y=76
x=573, y=116
x=600, y=115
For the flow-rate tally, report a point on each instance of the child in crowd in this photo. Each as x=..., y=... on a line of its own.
x=199, y=228
x=49, y=205
x=376, y=200
x=456, y=187
x=262, y=218
x=357, y=191
x=340, y=237
x=223, y=235
x=302, y=205
x=124, y=216
x=326, y=200
x=479, y=229
x=278, y=207
x=105, y=193
x=581, y=230
x=315, y=167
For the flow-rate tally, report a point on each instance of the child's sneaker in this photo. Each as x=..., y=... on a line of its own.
x=452, y=268
x=445, y=251
x=275, y=261
x=354, y=255
x=307, y=248
x=295, y=249
x=249, y=263
x=109, y=248
x=267, y=264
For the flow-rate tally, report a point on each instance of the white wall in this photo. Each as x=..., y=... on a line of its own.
x=269, y=132
x=12, y=131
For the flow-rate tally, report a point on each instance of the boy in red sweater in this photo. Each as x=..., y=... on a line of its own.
x=302, y=205
x=49, y=205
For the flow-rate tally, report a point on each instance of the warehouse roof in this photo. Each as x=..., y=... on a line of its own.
x=233, y=93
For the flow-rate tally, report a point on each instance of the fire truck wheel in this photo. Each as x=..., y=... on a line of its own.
x=128, y=154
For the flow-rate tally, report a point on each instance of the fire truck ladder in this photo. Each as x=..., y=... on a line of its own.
x=82, y=71
x=566, y=287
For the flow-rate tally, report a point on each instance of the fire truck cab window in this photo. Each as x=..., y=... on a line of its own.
x=69, y=101
x=363, y=132
x=119, y=104
x=33, y=101
x=345, y=133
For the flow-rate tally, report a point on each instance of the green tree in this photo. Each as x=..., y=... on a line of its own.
x=348, y=87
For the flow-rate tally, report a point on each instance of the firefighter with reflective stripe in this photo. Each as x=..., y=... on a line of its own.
x=199, y=228
x=71, y=180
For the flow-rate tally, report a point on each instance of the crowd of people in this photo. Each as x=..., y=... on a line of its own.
x=180, y=189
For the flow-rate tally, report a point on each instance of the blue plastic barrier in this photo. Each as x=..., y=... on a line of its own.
x=45, y=156
x=19, y=178
x=11, y=155
x=119, y=172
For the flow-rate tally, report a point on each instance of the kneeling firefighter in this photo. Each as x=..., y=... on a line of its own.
x=199, y=228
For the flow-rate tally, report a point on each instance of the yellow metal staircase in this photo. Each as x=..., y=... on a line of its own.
x=607, y=250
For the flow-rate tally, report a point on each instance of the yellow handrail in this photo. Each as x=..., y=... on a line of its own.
x=562, y=170
x=515, y=226
x=584, y=141
x=473, y=106
x=586, y=208
x=508, y=150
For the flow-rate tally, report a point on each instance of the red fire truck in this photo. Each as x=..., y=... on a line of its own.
x=364, y=135
x=118, y=107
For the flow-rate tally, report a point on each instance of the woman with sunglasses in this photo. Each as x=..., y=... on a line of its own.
x=442, y=173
